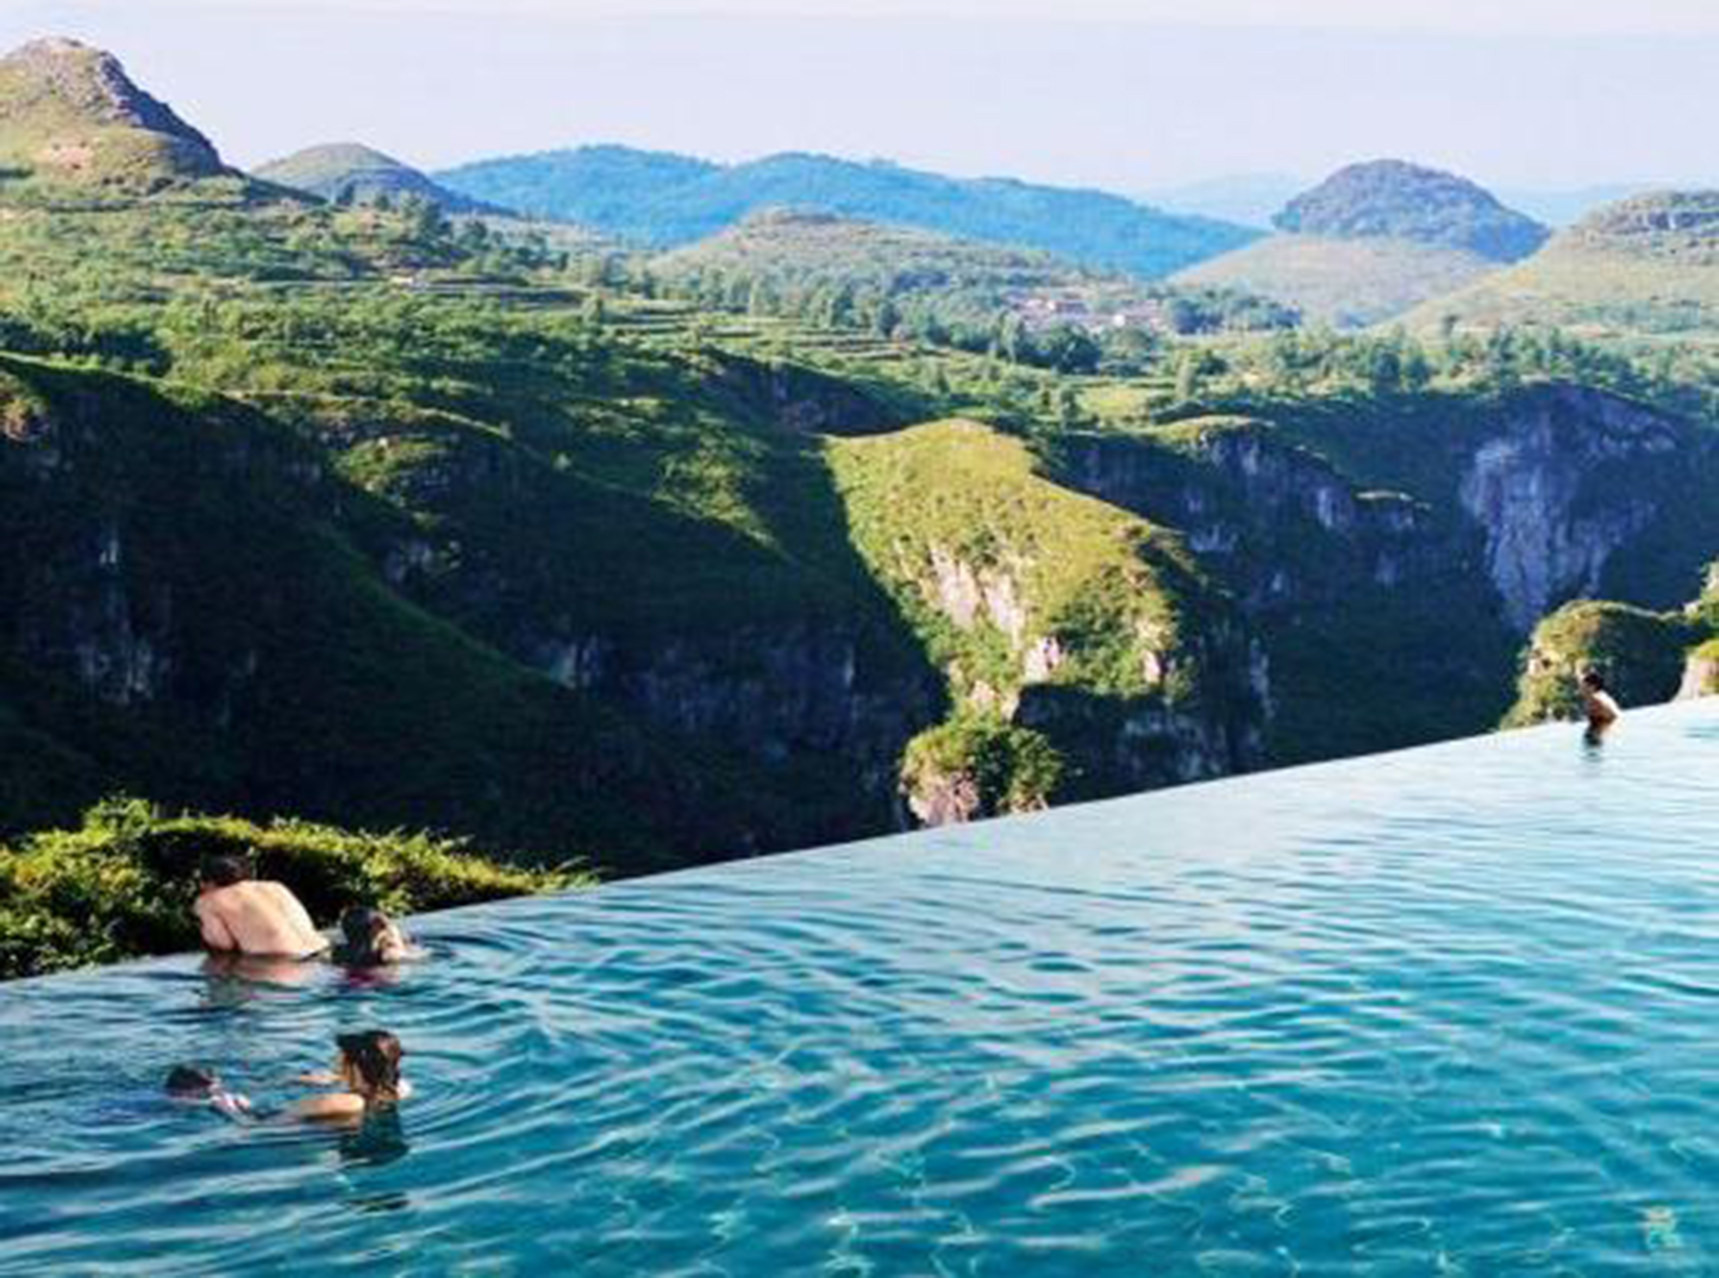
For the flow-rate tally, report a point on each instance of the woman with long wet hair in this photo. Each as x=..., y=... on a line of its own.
x=367, y=1072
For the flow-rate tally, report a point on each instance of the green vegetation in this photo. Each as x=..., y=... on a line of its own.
x=350, y=173
x=665, y=200
x=74, y=125
x=120, y=885
x=983, y=765
x=1374, y=241
x=1391, y=199
x=1642, y=655
x=1048, y=608
x=1015, y=304
x=1349, y=283
x=1647, y=268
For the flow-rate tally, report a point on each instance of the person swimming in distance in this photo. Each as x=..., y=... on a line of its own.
x=193, y=1085
x=242, y=915
x=1598, y=704
x=369, y=938
x=367, y=1068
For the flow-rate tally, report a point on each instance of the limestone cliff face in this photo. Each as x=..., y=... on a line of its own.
x=1153, y=735
x=1554, y=494
x=97, y=593
x=1390, y=618
x=1282, y=524
x=1082, y=636
x=810, y=688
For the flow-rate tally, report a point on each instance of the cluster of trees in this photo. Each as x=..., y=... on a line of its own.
x=1320, y=361
x=990, y=318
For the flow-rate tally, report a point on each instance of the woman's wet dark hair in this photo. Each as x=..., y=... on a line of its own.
x=1594, y=680
x=189, y=1080
x=361, y=926
x=375, y=1055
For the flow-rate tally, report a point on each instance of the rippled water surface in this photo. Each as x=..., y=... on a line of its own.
x=1450, y=1011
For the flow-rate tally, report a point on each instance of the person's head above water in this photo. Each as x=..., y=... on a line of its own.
x=361, y=925
x=1593, y=680
x=369, y=938
x=370, y=1064
x=221, y=870
x=190, y=1082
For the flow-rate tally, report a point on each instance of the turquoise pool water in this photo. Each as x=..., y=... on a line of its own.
x=1452, y=1011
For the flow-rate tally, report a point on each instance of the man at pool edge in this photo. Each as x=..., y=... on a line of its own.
x=242, y=915
x=1598, y=704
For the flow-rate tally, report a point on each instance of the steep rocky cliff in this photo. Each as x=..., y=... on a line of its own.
x=1392, y=559
x=1571, y=477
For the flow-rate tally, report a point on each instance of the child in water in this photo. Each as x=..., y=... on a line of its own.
x=193, y=1085
x=367, y=1068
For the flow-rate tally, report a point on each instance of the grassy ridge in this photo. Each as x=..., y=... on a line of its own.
x=1047, y=607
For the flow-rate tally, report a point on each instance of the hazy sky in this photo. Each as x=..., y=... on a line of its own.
x=1117, y=93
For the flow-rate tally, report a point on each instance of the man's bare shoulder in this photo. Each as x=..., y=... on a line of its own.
x=207, y=903
x=277, y=891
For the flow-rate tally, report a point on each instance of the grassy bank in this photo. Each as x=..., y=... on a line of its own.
x=120, y=886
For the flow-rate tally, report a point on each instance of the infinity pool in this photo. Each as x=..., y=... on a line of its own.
x=1451, y=1011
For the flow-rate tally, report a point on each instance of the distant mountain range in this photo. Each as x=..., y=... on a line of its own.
x=662, y=200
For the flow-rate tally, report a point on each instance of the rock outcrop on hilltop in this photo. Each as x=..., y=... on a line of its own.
x=70, y=113
x=1393, y=199
x=1679, y=225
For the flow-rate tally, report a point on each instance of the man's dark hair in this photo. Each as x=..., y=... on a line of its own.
x=188, y=1080
x=223, y=869
x=1593, y=680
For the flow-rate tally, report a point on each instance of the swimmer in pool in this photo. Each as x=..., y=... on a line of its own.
x=242, y=915
x=192, y=1085
x=1598, y=704
x=367, y=1070
x=369, y=938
